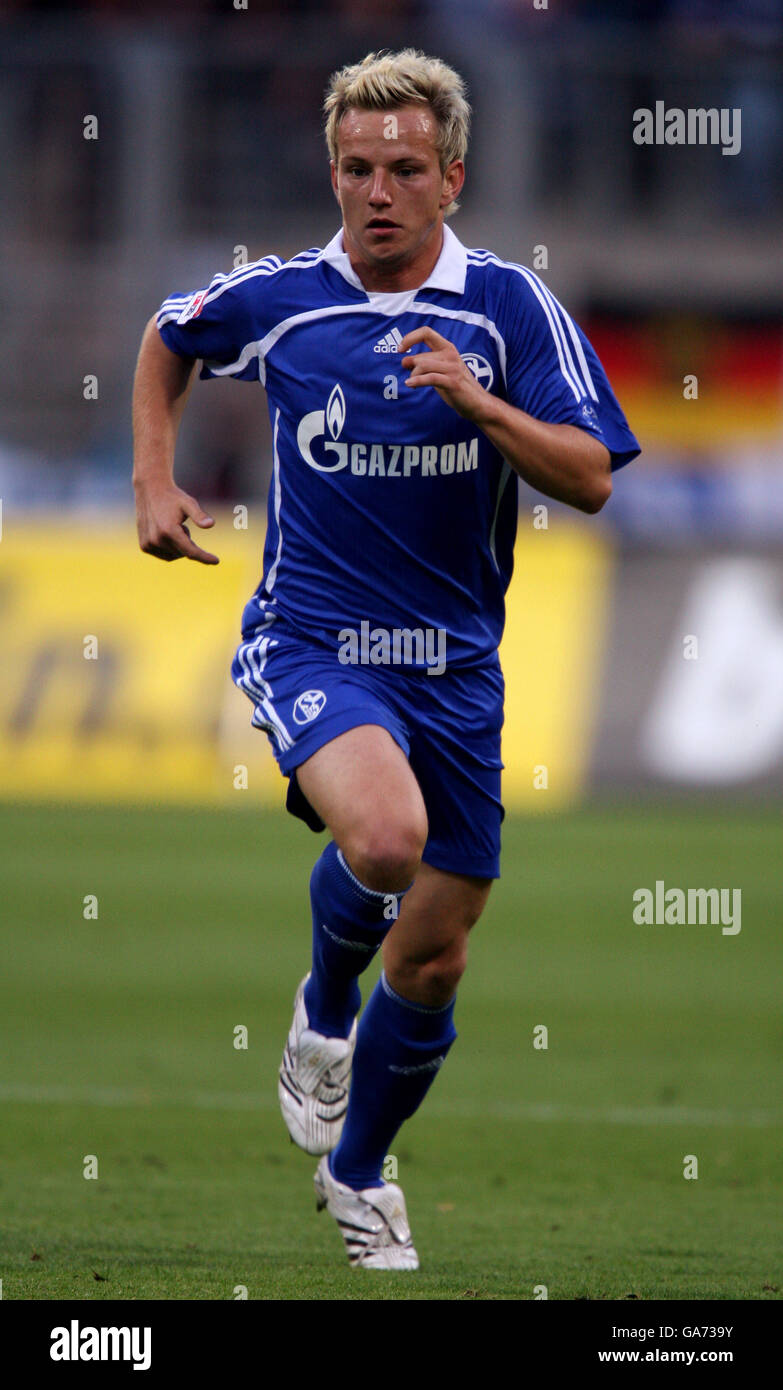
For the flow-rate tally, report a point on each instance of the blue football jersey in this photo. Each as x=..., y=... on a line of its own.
x=387, y=507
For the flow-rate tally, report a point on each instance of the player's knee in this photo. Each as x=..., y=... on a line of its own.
x=442, y=975
x=386, y=857
x=434, y=981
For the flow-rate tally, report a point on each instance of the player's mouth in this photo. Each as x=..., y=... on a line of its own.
x=382, y=226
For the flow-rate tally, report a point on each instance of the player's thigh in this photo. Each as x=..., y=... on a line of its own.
x=362, y=787
x=425, y=953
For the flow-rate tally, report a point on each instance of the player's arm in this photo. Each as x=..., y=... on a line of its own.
x=562, y=461
x=160, y=390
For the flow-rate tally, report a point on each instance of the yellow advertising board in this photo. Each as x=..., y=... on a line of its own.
x=116, y=680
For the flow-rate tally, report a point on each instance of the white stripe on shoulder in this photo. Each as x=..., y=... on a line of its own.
x=171, y=308
x=268, y=266
x=180, y=299
x=572, y=374
x=267, y=263
x=565, y=317
x=580, y=352
x=304, y=257
x=272, y=265
x=553, y=310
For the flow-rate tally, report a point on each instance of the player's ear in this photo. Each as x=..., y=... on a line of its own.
x=333, y=172
x=453, y=179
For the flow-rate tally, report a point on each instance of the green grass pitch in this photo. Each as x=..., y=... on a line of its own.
x=561, y=1167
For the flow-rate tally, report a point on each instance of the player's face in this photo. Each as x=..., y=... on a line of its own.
x=392, y=194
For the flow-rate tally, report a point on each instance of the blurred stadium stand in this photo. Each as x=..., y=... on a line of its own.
x=209, y=138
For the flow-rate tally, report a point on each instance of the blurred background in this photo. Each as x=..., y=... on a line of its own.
x=145, y=147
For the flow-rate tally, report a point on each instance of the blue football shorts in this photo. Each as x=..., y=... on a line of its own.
x=448, y=726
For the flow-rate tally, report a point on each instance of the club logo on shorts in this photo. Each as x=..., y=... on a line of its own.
x=308, y=706
x=480, y=368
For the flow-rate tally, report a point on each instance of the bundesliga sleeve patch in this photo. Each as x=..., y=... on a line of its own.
x=589, y=416
x=193, y=307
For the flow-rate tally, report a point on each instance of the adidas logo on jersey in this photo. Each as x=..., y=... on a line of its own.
x=391, y=343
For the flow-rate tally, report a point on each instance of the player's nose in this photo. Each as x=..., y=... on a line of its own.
x=380, y=192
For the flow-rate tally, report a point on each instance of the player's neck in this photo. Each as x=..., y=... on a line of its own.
x=392, y=279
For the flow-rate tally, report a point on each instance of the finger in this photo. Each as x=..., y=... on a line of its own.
x=445, y=357
x=196, y=513
x=432, y=364
x=161, y=553
x=430, y=379
x=428, y=361
x=178, y=547
x=192, y=551
x=423, y=335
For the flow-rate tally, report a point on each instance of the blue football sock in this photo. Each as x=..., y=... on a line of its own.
x=400, y=1047
x=349, y=924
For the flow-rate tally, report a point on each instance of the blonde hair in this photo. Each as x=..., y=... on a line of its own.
x=382, y=81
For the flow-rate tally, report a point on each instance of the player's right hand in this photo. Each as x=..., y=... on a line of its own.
x=161, y=514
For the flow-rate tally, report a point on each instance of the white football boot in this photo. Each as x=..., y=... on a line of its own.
x=315, y=1074
x=373, y=1222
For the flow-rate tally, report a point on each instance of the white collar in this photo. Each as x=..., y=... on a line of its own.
x=448, y=273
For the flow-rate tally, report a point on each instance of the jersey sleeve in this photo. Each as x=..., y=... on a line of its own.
x=219, y=323
x=553, y=372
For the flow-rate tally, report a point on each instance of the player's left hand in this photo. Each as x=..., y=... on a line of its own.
x=443, y=368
